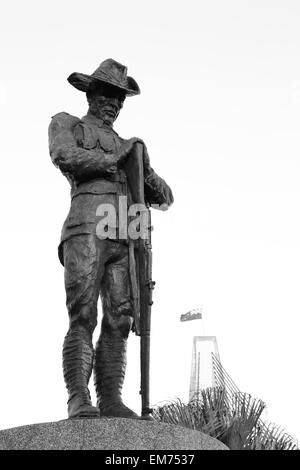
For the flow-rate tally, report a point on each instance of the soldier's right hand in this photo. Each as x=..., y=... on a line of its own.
x=125, y=149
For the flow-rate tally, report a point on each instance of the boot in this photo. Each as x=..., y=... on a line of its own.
x=77, y=366
x=109, y=373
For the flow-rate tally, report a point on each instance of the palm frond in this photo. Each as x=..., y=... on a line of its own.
x=245, y=414
x=233, y=418
x=271, y=437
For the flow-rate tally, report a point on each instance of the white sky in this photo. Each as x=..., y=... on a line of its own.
x=220, y=114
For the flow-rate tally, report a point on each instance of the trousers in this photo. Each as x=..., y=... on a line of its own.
x=96, y=267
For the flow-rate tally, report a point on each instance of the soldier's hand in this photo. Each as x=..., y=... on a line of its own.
x=163, y=191
x=168, y=195
x=126, y=148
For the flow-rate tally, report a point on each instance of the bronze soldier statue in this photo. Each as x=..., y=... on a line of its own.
x=92, y=156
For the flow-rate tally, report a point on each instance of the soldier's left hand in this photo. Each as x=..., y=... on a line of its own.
x=168, y=195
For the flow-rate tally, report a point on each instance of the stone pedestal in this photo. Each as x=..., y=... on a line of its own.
x=106, y=434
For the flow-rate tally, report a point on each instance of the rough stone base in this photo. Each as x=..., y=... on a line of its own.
x=106, y=434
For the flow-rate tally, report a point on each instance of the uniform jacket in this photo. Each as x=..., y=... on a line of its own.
x=82, y=149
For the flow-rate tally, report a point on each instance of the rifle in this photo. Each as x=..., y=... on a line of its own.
x=140, y=265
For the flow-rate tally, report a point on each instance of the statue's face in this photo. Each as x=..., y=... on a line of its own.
x=105, y=102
